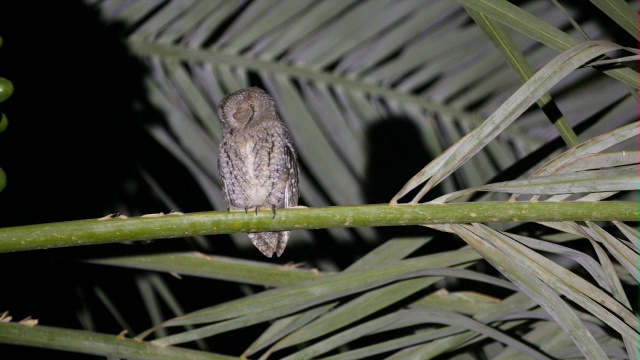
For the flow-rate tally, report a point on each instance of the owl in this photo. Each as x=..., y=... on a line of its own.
x=257, y=161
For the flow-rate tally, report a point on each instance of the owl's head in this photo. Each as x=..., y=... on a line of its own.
x=246, y=108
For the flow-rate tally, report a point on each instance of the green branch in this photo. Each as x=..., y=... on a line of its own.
x=87, y=342
x=94, y=231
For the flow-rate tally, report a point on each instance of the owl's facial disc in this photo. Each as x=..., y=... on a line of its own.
x=242, y=115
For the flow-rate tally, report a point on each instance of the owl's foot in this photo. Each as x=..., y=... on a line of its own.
x=273, y=210
x=246, y=209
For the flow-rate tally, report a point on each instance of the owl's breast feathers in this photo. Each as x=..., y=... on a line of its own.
x=258, y=167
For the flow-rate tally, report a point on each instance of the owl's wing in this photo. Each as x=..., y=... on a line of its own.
x=225, y=191
x=291, y=191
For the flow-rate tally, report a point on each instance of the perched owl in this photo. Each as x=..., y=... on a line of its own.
x=257, y=161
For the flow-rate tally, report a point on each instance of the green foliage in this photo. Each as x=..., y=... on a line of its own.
x=464, y=75
x=6, y=89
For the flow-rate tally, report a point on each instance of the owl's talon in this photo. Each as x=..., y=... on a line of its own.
x=273, y=209
x=246, y=210
x=257, y=208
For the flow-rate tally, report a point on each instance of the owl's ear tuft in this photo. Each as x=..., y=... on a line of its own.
x=243, y=114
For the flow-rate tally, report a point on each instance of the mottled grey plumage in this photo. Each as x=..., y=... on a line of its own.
x=257, y=160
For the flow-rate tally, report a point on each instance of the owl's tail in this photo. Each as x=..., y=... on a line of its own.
x=270, y=242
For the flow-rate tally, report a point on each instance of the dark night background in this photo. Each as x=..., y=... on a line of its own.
x=72, y=151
